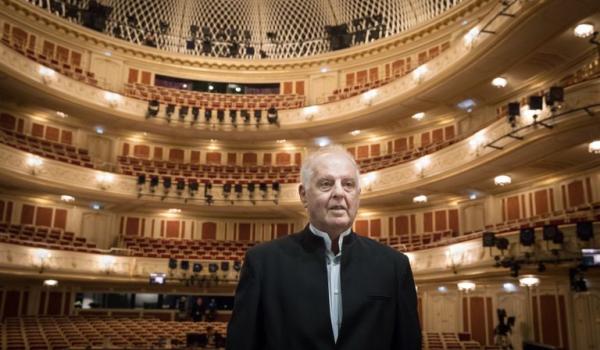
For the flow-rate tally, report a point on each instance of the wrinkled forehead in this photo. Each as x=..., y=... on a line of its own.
x=333, y=165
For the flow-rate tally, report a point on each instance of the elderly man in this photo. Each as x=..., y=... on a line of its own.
x=325, y=287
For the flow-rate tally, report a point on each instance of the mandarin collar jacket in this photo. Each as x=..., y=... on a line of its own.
x=282, y=300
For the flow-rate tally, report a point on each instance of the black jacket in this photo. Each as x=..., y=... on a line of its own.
x=282, y=301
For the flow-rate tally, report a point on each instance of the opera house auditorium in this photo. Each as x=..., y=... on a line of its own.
x=145, y=146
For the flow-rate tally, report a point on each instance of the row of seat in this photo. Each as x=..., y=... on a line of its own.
x=215, y=101
x=449, y=341
x=32, y=333
x=187, y=249
x=47, y=149
x=44, y=237
x=61, y=67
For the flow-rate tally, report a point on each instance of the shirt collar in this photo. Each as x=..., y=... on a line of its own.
x=326, y=238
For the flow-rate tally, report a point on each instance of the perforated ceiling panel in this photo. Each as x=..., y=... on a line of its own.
x=256, y=28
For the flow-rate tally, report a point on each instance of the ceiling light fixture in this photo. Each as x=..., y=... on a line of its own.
x=499, y=82
x=594, y=147
x=418, y=116
x=584, y=30
x=112, y=98
x=174, y=211
x=529, y=281
x=66, y=198
x=420, y=199
x=355, y=132
x=466, y=286
x=502, y=180
x=50, y=283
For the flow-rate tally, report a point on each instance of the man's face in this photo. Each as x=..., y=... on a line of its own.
x=332, y=197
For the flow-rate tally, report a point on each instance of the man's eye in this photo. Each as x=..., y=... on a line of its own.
x=325, y=185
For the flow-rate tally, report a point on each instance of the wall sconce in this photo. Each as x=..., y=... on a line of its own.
x=477, y=142
x=367, y=180
x=42, y=256
x=112, y=98
x=369, y=96
x=470, y=37
x=419, y=73
x=106, y=263
x=421, y=164
x=310, y=111
x=34, y=163
x=48, y=74
x=466, y=286
x=104, y=180
x=455, y=257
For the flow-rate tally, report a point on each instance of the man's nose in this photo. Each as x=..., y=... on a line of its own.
x=338, y=189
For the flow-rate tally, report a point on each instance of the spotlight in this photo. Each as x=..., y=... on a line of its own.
x=180, y=186
x=257, y=116
x=272, y=115
x=237, y=266
x=172, y=263
x=193, y=187
x=213, y=267
x=514, y=269
x=245, y=115
x=502, y=243
x=527, y=236
x=153, y=108
x=221, y=115
x=141, y=180
x=206, y=46
x=251, y=187
x=585, y=230
x=153, y=183
x=556, y=94
x=514, y=110
x=197, y=267
x=550, y=232
x=208, y=192
x=541, y=267
x=226, y=190
x=184, y=265
x=233, y=116
x=263, y=189
x=183, y=112
x=207, y=114
x=238, y=190
x=170, y=110
x=195, y=113
x=167, y=183
x=224, y=266
x=535, y=103
x=489, y=239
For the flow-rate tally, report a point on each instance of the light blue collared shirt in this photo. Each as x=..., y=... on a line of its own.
x=333, y=278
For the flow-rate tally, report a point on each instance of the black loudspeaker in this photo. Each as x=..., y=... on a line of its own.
x=514, y=109
x=550, y=232
x=197, y=267
x=489, y=239
x=212, y=267
x=527, y=236
x=172, y=263
x=502, y=243
x=536, y=102
x=585, y=230
x=194, y=340
x=556, y=94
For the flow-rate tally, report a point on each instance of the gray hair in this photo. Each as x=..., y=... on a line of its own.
x=307, y=171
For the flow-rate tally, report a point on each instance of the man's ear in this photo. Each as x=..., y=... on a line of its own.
x=302, y=193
